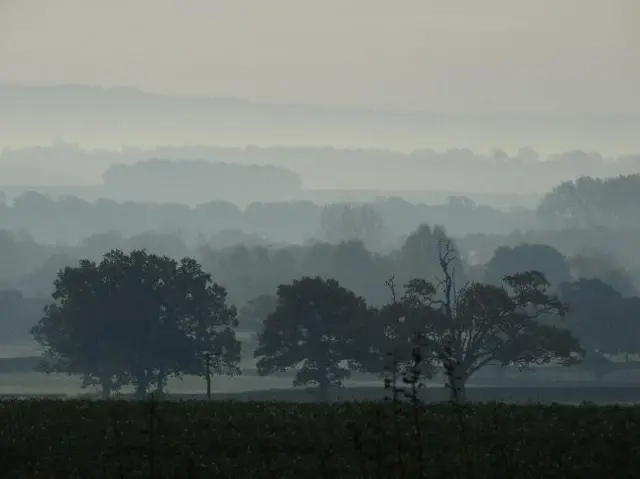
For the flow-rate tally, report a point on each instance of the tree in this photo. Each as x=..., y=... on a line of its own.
x=418, y=256
x=208, y=322
x=527, y=257
x=464, y=329
x=253, y=314
x=145, y=309
x=395, y=336
x=345, y=222
x=601, y=265
x=597, y=315
x=136, y=318
x=75, y=331
x=460, y=203
x=592, y=202
x=313, y=330
x=605, y=322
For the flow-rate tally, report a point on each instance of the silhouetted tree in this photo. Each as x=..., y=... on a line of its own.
x=396, y=334
x=312, y=330
x=418, y=256
x=527, y=257
x=77, y=333
x=606, y=323
x=208, y=321
x=466, y=327
x=345, y=222
x=138, y=318
x=589, y=202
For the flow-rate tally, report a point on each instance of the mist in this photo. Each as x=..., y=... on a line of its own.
x=213, y=213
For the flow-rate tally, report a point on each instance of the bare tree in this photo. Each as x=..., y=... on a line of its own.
x=463, y=330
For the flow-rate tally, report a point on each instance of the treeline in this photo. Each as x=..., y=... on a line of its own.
x=251, y=275
x=586, y=203
x=498, y=171
x=249, y=266
x=138, y=319
x=68, y=219
x=152, y=318
x=192, y=182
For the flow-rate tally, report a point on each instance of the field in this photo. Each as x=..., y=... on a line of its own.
x=73, y=439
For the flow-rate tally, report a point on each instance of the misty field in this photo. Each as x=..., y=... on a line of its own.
x=254, y=440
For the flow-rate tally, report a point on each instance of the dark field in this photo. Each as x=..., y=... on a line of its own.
x=66, y=439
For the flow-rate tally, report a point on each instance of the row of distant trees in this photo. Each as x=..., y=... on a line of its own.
x=139, y=319
x=590, y=202
x=584, y=203
x=250, y=272
x=70, y=218
x=440, y=168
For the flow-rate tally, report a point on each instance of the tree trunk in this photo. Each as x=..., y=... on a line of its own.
x=456, y=383
x=324, y=392
x=141, y=391
x=324, y=385
x=160, y=388
x=106, y=386
x=142, y=386
x=161, y=383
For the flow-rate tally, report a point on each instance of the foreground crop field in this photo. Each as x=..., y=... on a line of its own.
x=73, y=439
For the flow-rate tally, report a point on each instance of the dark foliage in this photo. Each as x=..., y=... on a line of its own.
x=263, y=440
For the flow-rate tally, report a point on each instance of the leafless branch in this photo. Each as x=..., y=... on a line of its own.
x=391, y=284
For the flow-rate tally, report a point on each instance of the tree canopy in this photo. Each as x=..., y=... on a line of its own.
x=592, y=202
x=136, y=319
x=464, y=328
x=507, y=261
x=314, y=331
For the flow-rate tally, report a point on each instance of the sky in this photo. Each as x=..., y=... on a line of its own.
x=471, y=56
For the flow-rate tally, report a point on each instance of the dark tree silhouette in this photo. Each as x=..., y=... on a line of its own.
x=465, y=328
x=136, y=318
x=527, y=257
x=313, y=330
x=208, y=321
x=76, y=332
x=606, y=323
x=590, y=201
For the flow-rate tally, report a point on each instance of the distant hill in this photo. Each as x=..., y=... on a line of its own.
x=287, y=173
x=107, y=117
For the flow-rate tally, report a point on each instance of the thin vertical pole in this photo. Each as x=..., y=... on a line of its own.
x=208, y=373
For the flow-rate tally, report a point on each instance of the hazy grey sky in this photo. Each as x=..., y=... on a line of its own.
x=445, y=55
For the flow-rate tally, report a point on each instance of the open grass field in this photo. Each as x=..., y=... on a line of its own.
x=113, y=439
x=33, y=383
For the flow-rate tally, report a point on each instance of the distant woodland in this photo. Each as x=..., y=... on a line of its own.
x=255, y=219
x=324, y=175
x=591, y=224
